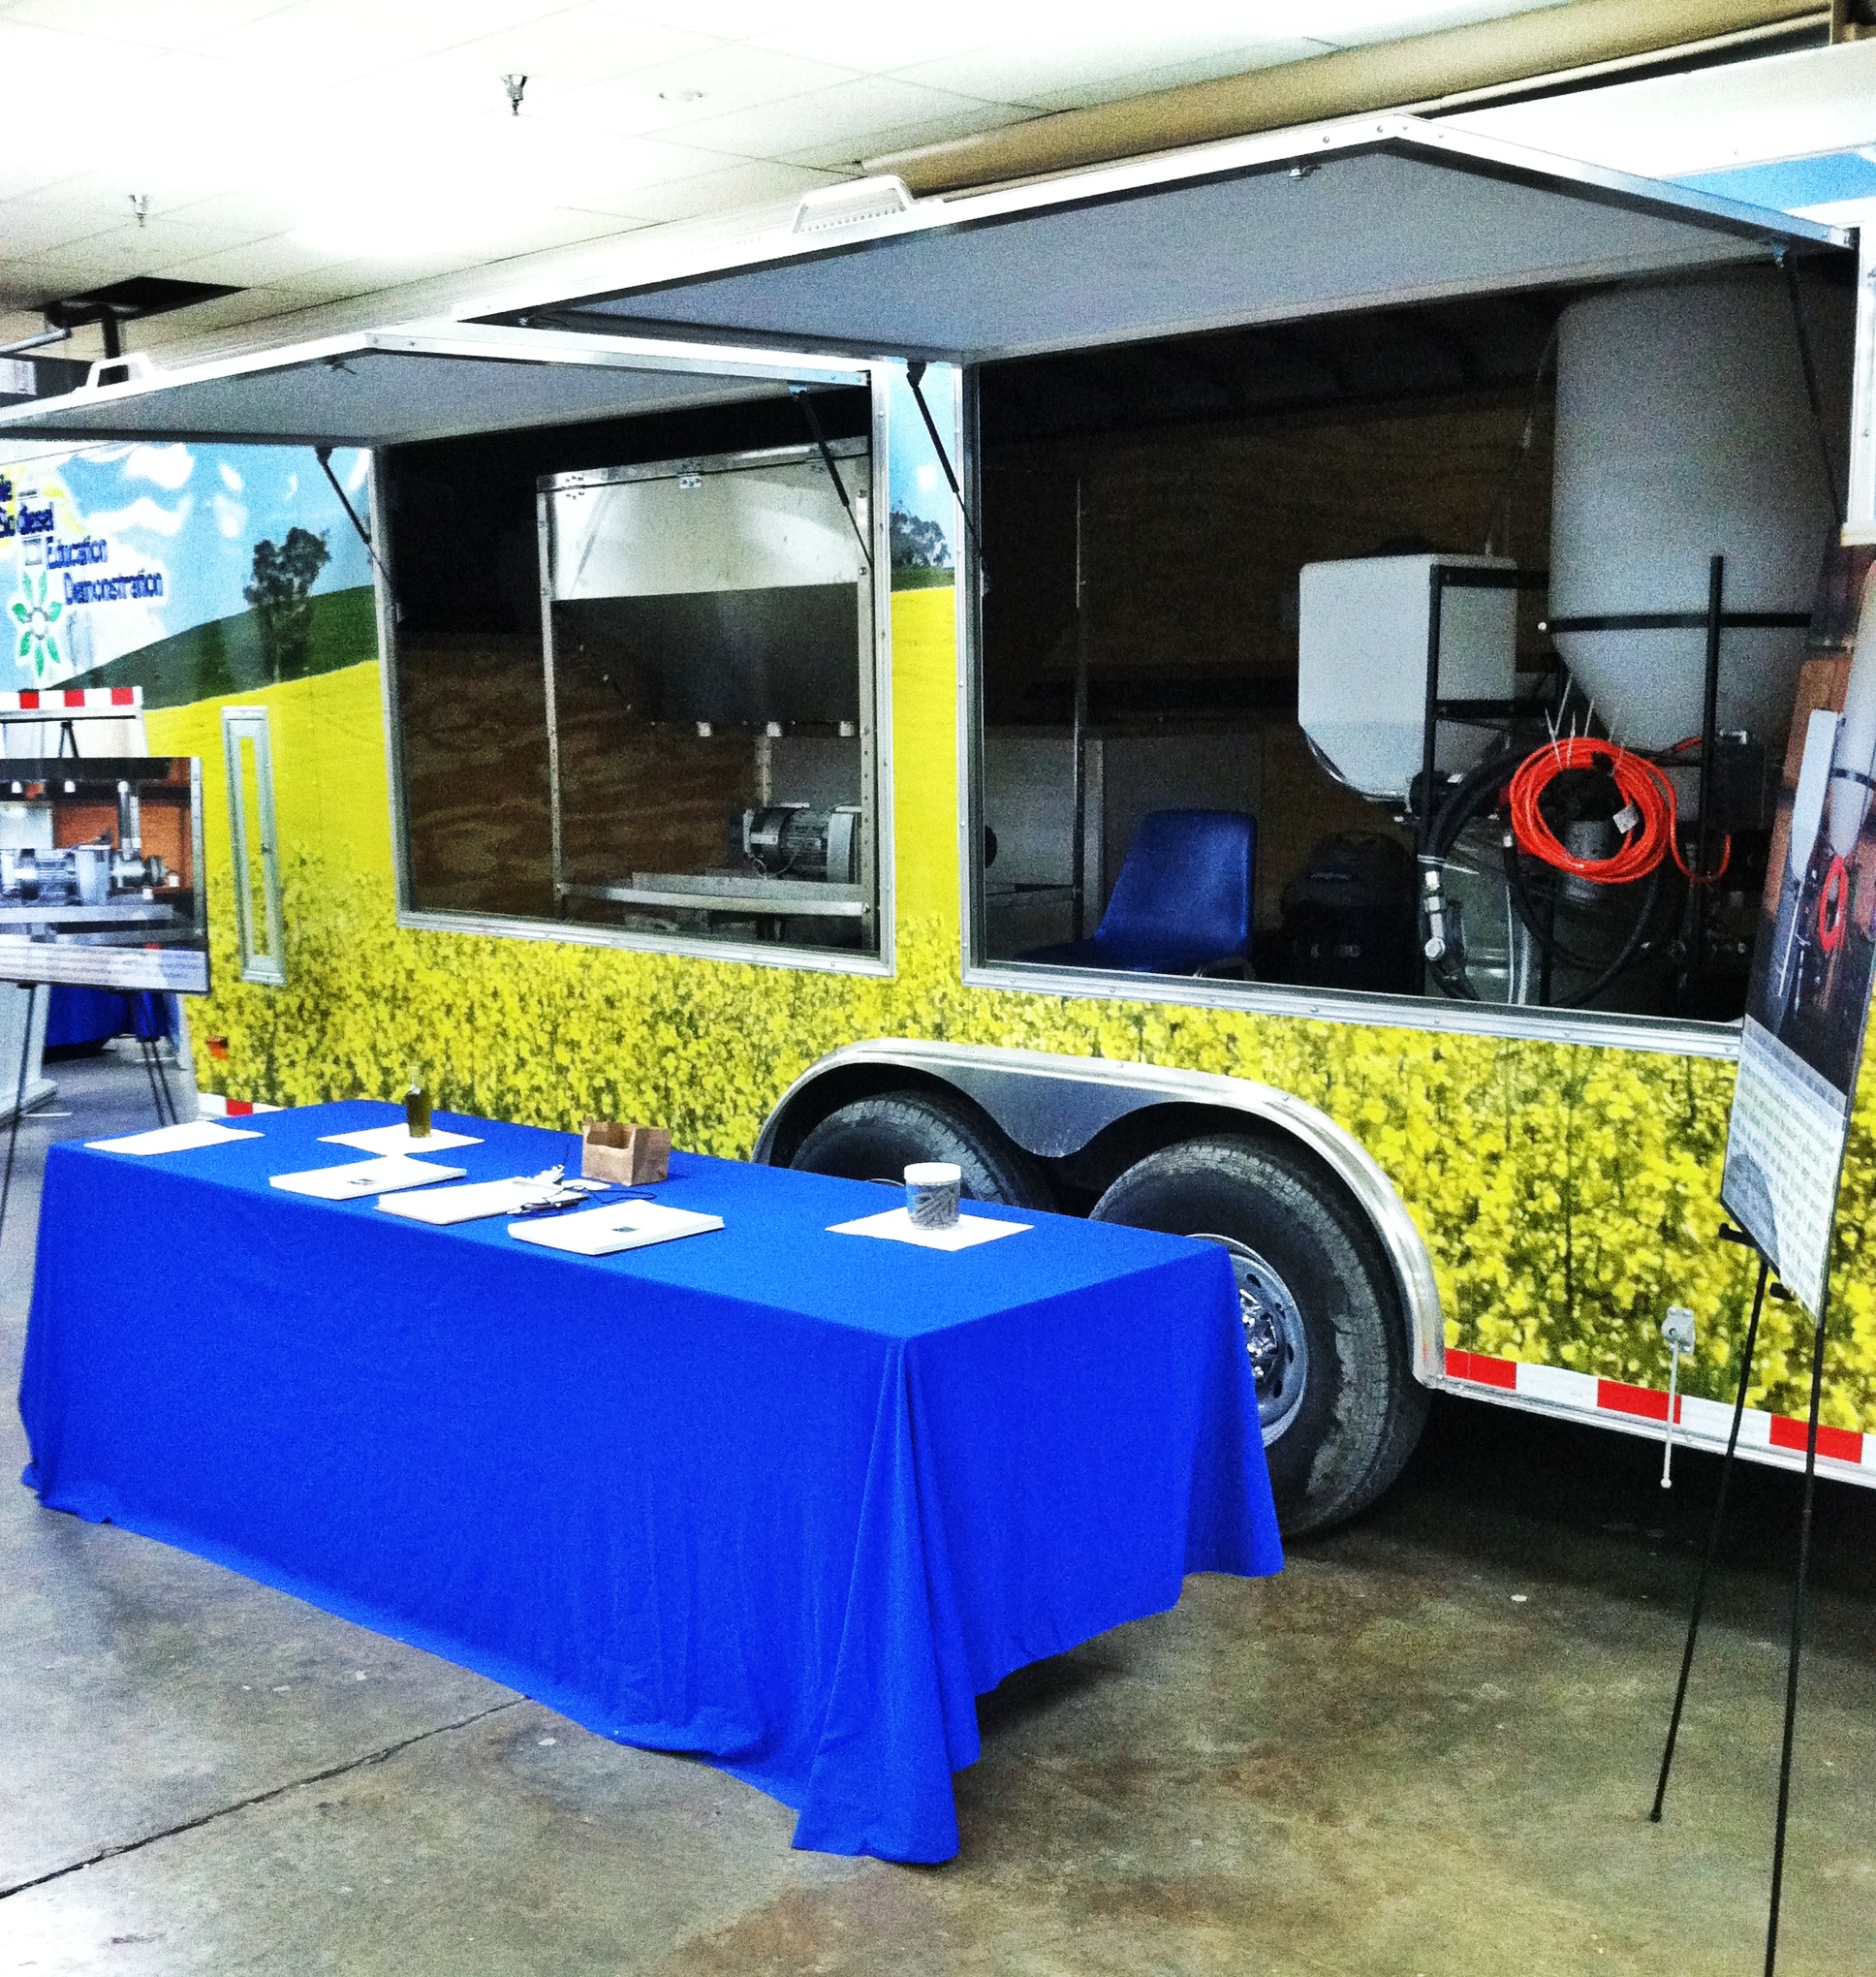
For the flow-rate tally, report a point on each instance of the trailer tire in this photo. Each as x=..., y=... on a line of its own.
x=876, y=1139
x=1339, y=1448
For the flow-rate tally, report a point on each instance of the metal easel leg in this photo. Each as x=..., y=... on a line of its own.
x=1798, y=1632
x=150, y=1072
x=18, y=1099
x=163, y=1078
x=1712, y=1540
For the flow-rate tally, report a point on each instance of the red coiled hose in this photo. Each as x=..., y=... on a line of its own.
x=1645, y=790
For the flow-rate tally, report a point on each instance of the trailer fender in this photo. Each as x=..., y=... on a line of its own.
x=1055, y=1106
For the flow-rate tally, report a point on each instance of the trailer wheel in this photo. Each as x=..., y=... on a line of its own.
x=1339, y=1405
x=877, y=1139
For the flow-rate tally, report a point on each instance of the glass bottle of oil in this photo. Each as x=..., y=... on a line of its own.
x=417, y=1108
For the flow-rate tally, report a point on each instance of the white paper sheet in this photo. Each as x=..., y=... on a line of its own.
x=396, y=1138
x=172, y=1139
x=604, y=1231
x=898, y=1226
x=359, y=1178
x=473, y=1202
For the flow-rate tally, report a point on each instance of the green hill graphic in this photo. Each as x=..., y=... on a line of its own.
x=224, y=656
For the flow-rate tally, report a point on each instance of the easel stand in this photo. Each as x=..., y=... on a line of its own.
x=18, y=1098
x=1798, y=1587
x=161, y=1096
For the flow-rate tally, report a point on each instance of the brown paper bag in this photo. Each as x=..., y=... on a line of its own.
x=635, y=1155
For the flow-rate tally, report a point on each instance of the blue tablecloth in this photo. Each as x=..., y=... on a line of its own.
x=785, y=1499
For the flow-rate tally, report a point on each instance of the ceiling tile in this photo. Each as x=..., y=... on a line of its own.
x=182, y=325
x=249, y=214
x=172, y=24
x=729, y=191
x=879, y=38
x=28, y=50
x=29, y=170
x=728, y=19
x=847, y=155
x=677, y=96
x=315, y=41
x=259, y=264
x=570, y=49
x=861, y=113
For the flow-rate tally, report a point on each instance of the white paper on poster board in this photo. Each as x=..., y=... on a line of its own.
x=1807, y=1005
x=897, y=1225
x=359, y=1178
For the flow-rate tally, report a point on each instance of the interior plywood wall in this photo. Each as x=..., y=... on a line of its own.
x=1192, y=538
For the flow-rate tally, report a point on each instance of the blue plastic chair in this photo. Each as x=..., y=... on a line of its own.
x=1183, y=903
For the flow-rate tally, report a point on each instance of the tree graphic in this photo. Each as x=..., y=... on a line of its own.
x=918, y=543
x=283, y=576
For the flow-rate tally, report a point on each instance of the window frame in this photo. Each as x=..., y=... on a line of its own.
x=876, y=716
x=1665, y=1035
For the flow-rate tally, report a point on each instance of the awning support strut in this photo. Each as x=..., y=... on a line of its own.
x=806, y=403
x=913, y=375
x=323, y=454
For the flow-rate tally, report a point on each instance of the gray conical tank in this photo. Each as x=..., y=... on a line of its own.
x=1683, y=430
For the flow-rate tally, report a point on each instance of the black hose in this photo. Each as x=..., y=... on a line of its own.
x=1462, y=802
x=1625, y=956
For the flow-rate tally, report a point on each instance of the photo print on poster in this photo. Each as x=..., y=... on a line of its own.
x=1808, y=1002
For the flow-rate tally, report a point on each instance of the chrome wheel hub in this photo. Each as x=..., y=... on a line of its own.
x=1273, y=1336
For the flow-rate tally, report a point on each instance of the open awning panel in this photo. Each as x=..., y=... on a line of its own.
x=385, y=388
x=1353, y=217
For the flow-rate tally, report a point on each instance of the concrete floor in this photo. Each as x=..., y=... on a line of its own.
x=1425, y=1748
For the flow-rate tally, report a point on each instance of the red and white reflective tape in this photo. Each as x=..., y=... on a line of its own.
x=1708, y=1422
x=67, y=702
x=212, y=1105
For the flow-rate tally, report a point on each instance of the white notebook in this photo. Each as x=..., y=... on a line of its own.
x=604, y=1231
x=172, y=1139
x=471, y=1202
x=396, y=1138
x=898, y=1226
x=359, y=1178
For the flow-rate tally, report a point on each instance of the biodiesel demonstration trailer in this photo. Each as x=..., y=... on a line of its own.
x=1135, y=829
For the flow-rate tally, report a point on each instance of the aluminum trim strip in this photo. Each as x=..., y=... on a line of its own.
x=756, y=954
x=691, y=265
x=87, y=410
x=1345, y=1156
x=1659, y=1034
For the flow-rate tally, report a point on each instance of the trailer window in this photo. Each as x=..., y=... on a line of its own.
x=641, y=705
x=1213, y=568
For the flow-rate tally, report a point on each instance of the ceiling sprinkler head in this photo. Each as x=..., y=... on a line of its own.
x=140, y=204
x=516, y=87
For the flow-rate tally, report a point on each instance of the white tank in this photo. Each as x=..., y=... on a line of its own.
x=1685, y=432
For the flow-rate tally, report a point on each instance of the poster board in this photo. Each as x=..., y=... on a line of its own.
x=101, y=873
x=1807, y=1005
